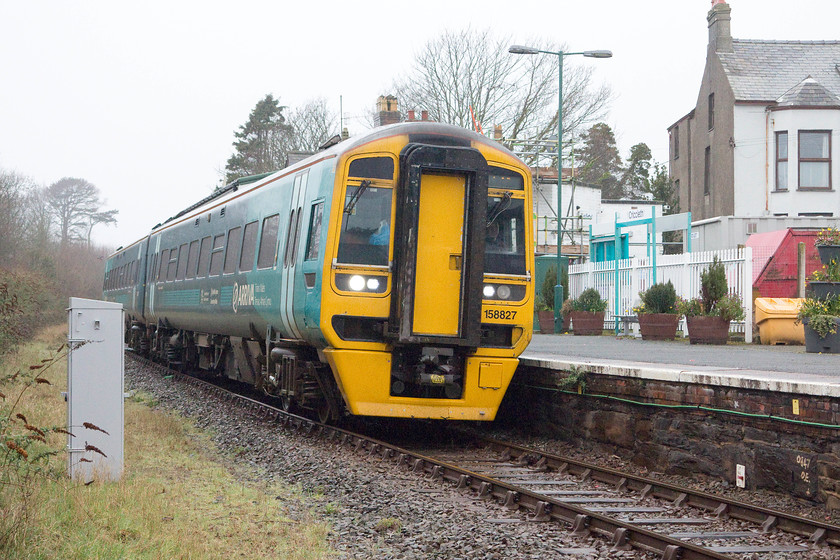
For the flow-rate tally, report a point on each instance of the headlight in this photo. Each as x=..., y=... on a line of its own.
x=504, y=292
x=356, y=283
x=361, y=283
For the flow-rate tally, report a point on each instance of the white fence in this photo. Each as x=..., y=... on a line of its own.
x=636, y=275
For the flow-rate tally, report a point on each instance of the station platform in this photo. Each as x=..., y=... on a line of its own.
x=787, y=369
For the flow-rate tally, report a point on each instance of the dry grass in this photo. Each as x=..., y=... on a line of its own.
x=179, y=497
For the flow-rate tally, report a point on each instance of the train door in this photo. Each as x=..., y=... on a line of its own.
x=440, y=245
x=439, y=252
x=292, y=245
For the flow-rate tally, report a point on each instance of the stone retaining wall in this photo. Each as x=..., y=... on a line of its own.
x=800, y=459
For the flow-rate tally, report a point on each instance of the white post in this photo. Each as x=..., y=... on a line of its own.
x=747, y=291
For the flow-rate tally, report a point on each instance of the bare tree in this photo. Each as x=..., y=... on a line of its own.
x=312, y=125
x=75, y=207
x=466, y=75
x=14, y=190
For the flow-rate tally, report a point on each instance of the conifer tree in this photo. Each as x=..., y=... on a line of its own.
x=262, y=143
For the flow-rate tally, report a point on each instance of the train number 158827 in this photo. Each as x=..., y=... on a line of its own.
x=499, y=314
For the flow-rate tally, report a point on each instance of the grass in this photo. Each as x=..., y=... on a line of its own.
x=179, y=496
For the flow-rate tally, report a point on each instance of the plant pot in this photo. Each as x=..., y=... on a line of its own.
x=546, y=320
x=658, y=326
x=822, y=290
x=829, y=253
x=587, y=322
x=827, y=345
x=707, y=330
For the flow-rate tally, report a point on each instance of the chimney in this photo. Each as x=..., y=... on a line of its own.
x=386, y=111
x=424, y=115
x=411, y=116
x=720, y=35
x=497, y=132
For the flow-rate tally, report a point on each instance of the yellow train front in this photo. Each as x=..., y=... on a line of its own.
x=426, y=292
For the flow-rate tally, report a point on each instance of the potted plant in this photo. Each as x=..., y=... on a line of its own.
x=821, y=319
x=588, y=313
x=708, y=316
x=545, y=302
x=828, y=245
x=658, y=315
x=825, y=282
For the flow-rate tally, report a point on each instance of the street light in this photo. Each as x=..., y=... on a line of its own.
x=519, y=49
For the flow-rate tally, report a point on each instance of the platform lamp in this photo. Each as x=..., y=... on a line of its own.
x=519, y=49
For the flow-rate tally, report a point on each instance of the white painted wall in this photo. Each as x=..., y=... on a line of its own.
x=545, y=201
x=755, y=161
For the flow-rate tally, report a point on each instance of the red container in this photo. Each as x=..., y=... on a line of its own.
x=774, y=261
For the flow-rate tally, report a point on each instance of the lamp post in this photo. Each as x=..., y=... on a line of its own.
x=519, y=49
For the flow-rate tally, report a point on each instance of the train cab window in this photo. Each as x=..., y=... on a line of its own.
x=372, y=168
x=268, y=241
x=366, y=225
x=234, y=243
x=314, y=239
x=173, y=265
x=504, y=251
x=249, y=247
x=204, y=257
x=217, y=255
x=183, y=251
x=192, y=262
x=164, y=258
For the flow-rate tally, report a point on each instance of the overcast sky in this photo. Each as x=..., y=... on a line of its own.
x=143, y=99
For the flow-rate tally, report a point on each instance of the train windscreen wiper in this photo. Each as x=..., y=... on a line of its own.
x=351, y=204
x=498, y=208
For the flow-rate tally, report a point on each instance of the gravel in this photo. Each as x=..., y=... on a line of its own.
x=376, y=511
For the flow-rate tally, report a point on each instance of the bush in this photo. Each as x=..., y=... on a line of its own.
x=590, y=300
x=547, y=288
x=713, y=285
x=27, y=302
x=659, y=298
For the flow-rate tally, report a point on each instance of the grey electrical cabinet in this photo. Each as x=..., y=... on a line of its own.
x=95, y=370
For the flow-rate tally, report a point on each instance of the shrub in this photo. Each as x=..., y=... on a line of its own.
x=712, y=285
x=547, y=288
x=589, y=300
x=659, y=298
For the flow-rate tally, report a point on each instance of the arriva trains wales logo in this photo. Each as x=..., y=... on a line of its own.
x=249, y=295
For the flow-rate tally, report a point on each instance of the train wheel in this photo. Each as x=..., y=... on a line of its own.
x=286, y=403
x=324, y=411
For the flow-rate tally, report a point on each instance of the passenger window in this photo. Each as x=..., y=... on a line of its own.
x=249, y=246
x=164, y=258
x=173, y=265
x=234, y=242
x=296, y=243
x=268, y=241
x=216, y=257
x=150, y=271
x=192, y=262
x=204, y=257
x=182, y=261
x=314, y=241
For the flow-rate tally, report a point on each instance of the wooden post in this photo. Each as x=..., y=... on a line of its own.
x=800, y=270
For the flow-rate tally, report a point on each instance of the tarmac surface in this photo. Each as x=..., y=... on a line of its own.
x=679, y=354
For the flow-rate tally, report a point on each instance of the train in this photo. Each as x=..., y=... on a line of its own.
x=388, y=275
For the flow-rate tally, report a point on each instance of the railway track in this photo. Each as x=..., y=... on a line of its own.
x=529, y=485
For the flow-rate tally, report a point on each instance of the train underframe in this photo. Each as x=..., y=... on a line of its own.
x=420, y=381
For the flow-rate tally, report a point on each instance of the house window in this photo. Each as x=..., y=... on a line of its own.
x=676, y=142
x=814, y=159
x=707, y=170
x=782, y=161
x=711, y=111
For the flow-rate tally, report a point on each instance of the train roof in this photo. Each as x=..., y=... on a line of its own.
x=418, y=131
